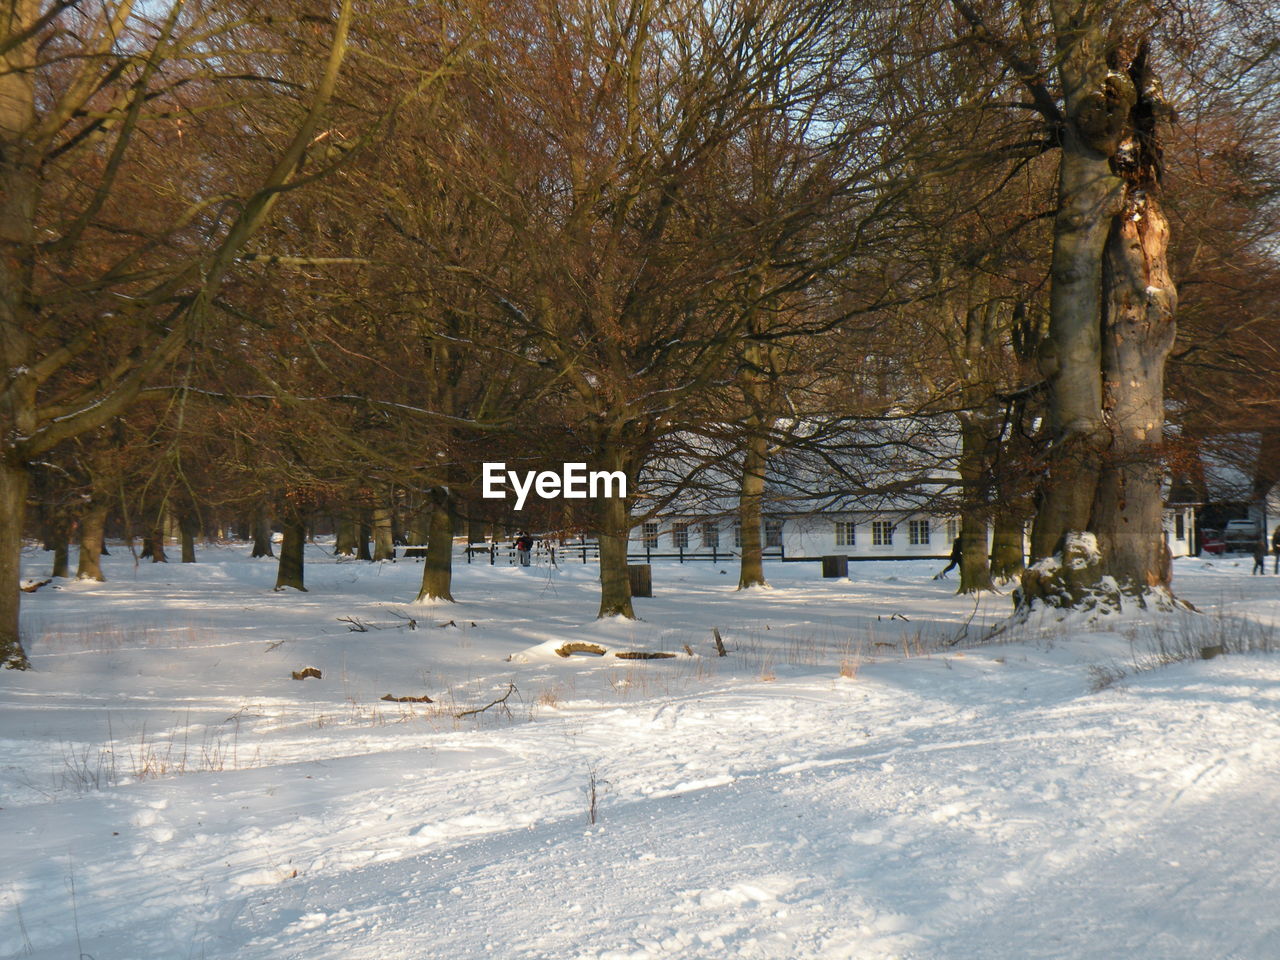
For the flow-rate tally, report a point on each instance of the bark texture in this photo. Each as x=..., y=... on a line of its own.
x=1138, y=333
x=1111, y=328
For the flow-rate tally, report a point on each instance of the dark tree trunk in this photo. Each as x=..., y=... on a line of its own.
x=59, y=541
x=261, y=527
x=437, y=568
x=347, y=538
x=975, y=570
x=13, y=506
x=92, y=531
x=1007, y=557
x=290, y=570
x=362, y=542
x=188, y=524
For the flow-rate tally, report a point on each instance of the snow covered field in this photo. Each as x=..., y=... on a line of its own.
x=843, y=784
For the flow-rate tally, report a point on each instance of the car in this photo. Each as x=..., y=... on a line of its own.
x=1242, y=535
x=1212, y=543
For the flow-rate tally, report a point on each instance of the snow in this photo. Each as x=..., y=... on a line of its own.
x=846, y=783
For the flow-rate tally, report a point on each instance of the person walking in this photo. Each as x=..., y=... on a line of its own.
x=1275, y=548
x=524, y=547
x=1260, y=556
x=956, y=556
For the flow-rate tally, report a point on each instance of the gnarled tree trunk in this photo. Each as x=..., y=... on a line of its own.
x=1138, y=333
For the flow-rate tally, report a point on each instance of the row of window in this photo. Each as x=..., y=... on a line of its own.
x=918, y=533
x=709, y=533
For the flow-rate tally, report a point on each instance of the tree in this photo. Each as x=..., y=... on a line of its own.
x=1111, y=298
x=92, y=105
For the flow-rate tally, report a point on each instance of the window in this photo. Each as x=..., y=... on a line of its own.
x=711, y=535
x=650, y=537
x=737, y=533
x=881, y=533
x=1180, y=526
x=773, y=533
x=845, y=536
x=680, y=535
x=918, y=532
x=953, y=529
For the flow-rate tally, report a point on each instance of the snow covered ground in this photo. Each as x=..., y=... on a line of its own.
x=845, y=783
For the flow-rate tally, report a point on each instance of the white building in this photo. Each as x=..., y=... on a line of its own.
x=897, y=502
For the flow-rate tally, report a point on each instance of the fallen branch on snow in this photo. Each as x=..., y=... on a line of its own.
x=502, y=700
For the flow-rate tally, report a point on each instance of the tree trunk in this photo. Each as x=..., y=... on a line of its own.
x=13, y=506
x=362, y=542
x=348, y=535
x=750, y=509
x=614, y=532
x=437, y=568
x=157, y=547
x=1138, y=334
x=384, y=547
x=1089, y=195
x=1007, y=557
x=59, y=540
x=1070, y=356
x=290, y=571
x=975, y=570
x=188, y=524
x=92, y=532
x=262, y=533
x=1118, y=467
